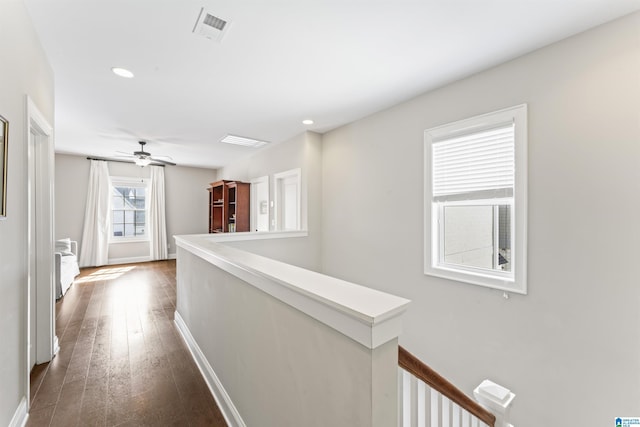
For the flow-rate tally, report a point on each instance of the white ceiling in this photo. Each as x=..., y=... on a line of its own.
x=280, y=62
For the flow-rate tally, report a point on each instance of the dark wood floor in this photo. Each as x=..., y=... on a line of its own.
x=121, y=360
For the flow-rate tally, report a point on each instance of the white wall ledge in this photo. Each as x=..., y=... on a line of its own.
x=368, y=316
x=242, y=236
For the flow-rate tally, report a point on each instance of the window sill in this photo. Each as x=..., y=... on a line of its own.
x=488, y=281
x=129, y=240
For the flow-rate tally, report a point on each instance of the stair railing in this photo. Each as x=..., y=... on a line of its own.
x=426, y=399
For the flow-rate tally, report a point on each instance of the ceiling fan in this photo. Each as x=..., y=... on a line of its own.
x=143, y=158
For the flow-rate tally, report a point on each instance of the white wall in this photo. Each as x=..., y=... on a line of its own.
x=570, y=349
x=25, y=70
x=305, y=152
x=186, y=200
x=278, y=365
x=72, y=178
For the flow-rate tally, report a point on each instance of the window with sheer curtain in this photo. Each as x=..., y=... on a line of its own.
x=475, y=200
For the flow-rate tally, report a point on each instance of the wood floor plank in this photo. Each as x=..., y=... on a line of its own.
x=122, y=361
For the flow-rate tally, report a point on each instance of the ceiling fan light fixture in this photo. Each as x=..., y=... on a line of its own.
x=245, y=142
x=142, y=161
x=122, y=72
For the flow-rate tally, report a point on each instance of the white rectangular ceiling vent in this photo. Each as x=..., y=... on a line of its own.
x=210, y=26
x=245, y=142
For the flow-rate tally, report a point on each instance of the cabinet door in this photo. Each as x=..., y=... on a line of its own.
x=242, y=206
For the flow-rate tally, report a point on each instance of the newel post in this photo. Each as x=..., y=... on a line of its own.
x=496, y=399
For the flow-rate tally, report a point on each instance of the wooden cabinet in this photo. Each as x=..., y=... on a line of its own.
x=238, y=206
x=216, y=206
x=229, y=206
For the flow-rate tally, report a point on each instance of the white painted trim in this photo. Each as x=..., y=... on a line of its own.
x=368, y=316
x=21, y=415
x=136, y=182
x=173, y=256
x=56, y=345
x=254, y=200
x=137, y=239
x=228, y=409
x=252, y=235
x=129, y=260
x=40, y=175
x=278, y=195
x=432, y=266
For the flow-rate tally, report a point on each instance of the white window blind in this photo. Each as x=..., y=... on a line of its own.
x=474, y=166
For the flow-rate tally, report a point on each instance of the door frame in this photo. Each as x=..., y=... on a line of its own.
x=279, y=196
x=40, y=156
x=254, y=204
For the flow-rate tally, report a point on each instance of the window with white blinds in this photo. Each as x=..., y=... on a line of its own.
x=475, y=200
x=475, y=166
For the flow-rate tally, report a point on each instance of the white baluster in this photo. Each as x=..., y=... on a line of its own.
x=414, y=400
x=455, y=415
x=400, y=397
x=427, y=406
x=465, y=418
x=406, y=399
x=422, y=404
x=434, y=408
x=445, y=412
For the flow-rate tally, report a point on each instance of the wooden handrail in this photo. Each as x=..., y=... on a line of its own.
x=412, y=364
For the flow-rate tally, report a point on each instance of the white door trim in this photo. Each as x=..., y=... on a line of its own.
x=279, y=179
x=255, y=203
x=40, y=155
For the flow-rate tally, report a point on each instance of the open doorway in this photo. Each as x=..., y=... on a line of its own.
x=42, y=344
x=260, y=204
x=287, y=196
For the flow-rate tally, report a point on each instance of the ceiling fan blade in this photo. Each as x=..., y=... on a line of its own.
x=164, y=162
x=165, y=158
x=143, y=157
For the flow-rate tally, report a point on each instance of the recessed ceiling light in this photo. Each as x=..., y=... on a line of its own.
x=307, y=122
x=122, y=72
x=241, y=140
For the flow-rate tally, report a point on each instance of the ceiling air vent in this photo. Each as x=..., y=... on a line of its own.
x=245, y=142
x=210, y=26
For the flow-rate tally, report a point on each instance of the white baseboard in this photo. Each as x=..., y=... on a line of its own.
x=56, y=346
x=130, y=260
x=133, y=260
x=228, y=409
x=20, y=416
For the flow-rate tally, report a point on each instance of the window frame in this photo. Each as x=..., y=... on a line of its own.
x=131, y=183
x=516, y=280
x=493, y=203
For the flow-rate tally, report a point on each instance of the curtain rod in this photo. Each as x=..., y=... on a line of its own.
x=102, y=159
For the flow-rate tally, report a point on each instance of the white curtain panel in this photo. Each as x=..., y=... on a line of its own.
x=97, y=224
x=157, y=220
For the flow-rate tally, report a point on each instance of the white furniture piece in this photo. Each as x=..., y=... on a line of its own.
x=66, y=265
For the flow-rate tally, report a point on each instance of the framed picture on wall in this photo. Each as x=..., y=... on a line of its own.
x=4, y=148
